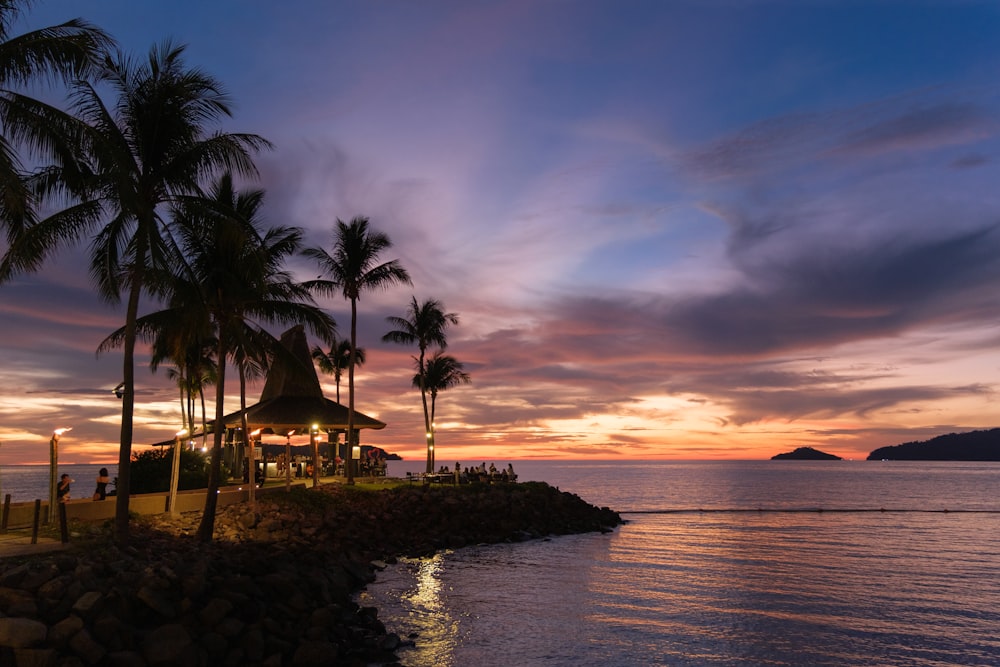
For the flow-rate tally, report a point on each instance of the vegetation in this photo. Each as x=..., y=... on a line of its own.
x=137, y=165
x=151, y=470
x=425, y=325
x=351, y=269
x=336, y=361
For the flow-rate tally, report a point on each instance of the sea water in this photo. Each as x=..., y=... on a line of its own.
x=25, y=483
x=724, y=563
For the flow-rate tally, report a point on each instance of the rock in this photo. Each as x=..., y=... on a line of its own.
x=22, y=632
x=84, y=646
x=169, y=645
x=88, y=604
x=315, y=654
x=214, y=611
x=158, y=601
x=35, y=657
x=60, y=633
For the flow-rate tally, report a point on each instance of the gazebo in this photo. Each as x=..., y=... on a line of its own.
x=292, y=402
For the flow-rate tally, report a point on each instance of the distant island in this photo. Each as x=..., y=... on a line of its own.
x=971, y=446
x=806, y=454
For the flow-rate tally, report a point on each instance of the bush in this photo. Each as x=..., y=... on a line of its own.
x=151, y=470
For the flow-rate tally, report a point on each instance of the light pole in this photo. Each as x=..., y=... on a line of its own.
x=253, y=468
x=314, y=437
x=175, y=471
x=288, y=461
x=54, y=469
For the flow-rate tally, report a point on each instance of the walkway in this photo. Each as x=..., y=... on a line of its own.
x=18, y=543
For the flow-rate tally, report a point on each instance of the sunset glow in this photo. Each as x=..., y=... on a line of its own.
x=671, y=230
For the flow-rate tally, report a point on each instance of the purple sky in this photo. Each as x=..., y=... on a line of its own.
x=670, y=229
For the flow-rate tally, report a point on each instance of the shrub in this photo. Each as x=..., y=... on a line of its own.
x=151, y=470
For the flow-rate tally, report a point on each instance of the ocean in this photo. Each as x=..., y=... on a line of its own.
x=724, y=563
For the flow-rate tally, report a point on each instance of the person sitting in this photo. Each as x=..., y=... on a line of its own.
x=101, y=492
x=62, y=491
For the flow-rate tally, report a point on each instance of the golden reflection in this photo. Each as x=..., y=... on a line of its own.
x=437, y=630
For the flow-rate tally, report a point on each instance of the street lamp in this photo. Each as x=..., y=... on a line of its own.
x=53, y=469
x=253, y=467
x=175, y=471
x=314, y=437
x=288, y=460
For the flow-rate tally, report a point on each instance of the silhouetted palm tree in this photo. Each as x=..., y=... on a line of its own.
x=351, y=269
x=425, y=325
x=336, y=361
x=63, y=52
x=442, y=371
x=233, y=272
x=145, y=147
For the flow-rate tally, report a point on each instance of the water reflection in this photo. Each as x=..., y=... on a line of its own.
x=425, y=615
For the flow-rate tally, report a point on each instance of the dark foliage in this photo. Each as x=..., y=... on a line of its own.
x=151, y=470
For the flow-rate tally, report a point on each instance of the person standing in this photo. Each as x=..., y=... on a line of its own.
x=101, y=492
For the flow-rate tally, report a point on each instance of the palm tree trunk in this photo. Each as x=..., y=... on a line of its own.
x=350, y=392
x=128, y=406
x=204, y=416
x=207, y=526
x=181, y=392
x=428, y=435
x=246, y=437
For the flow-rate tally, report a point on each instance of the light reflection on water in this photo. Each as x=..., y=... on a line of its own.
x=744, y=588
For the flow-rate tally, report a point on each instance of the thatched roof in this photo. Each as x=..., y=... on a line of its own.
x=292, y=398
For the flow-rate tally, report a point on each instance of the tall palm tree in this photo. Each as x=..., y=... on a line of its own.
x=426, y=325
x=233, y=272
x=351, y=269
x=145, y=147
x=336, y=361
x=66, y=52
x=442, y=371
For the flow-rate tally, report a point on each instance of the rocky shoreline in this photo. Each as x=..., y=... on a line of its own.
x=276, y=586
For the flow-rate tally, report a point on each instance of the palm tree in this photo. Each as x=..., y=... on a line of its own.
x=354, y=268
x=336, y=361
x=186, y=343
x=441, y=372
x=66, y=52
x=145, y=149
x=424, y=325
x=232, y=272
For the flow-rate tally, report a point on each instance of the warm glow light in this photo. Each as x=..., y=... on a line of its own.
x=255, y=433
x=60, y=431
x=181, y=433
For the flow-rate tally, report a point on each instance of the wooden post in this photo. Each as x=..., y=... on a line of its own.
x=63, y=527
x=6, y=513
x=34, y=524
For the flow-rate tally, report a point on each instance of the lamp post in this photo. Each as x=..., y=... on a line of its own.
x=175, y=471
x=252, y=496
x=54, y=469
x=288, y=461
x=314, y=438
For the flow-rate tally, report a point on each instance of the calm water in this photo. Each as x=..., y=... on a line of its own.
x=27, y=483
x=789, y=585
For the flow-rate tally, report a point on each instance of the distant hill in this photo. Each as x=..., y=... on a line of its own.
x=806, y=454
x=971, y=446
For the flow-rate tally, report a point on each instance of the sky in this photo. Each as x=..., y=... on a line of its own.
x=670, y=229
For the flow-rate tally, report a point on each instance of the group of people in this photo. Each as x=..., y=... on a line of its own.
x=100, y=492
x=480, y=473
